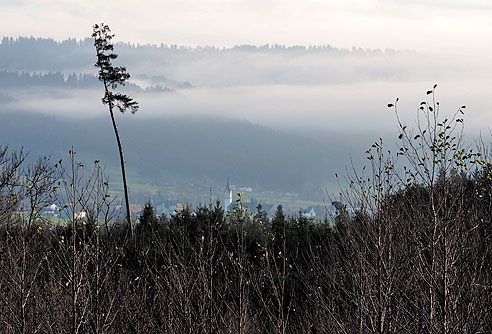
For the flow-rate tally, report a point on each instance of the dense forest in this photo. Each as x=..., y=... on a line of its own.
x=12, y=80
x=180, y=67
x=409, y=250
x=30, y=53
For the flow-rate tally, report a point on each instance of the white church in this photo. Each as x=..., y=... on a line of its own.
x=227, y=197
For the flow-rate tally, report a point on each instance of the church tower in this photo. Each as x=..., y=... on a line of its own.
x=227, y=196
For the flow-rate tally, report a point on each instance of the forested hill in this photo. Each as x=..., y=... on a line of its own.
x=202, y=150
x=31, y=54
x=184, y=67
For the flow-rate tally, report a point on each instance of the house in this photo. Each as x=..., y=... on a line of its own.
x=312, y=212
x=50, y=211
x=309, y=213
x=167, y=207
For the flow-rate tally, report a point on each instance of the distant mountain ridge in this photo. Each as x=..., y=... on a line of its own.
x=49, y=54
x=208, y=65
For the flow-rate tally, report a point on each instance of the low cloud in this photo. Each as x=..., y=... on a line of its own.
x=348, y=108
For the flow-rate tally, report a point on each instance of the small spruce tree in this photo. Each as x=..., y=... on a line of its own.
x=148, y=220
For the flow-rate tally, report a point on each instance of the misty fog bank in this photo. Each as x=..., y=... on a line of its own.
x=349, y=109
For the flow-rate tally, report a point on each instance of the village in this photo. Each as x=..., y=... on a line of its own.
x=249, y=203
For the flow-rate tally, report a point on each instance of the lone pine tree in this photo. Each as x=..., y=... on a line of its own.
x=112, y=77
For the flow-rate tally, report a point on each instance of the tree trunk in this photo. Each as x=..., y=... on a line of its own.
x=122, y=163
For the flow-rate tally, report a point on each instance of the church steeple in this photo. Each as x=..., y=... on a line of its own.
x=227, y=196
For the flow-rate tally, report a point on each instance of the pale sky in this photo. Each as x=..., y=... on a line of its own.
x=460, y=27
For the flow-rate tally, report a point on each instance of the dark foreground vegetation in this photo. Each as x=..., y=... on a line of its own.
x=408, y=252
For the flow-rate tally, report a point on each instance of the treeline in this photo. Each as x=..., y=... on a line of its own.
x=409, y=251
x=20, y=80
x=46, y=54
x=11, y=44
